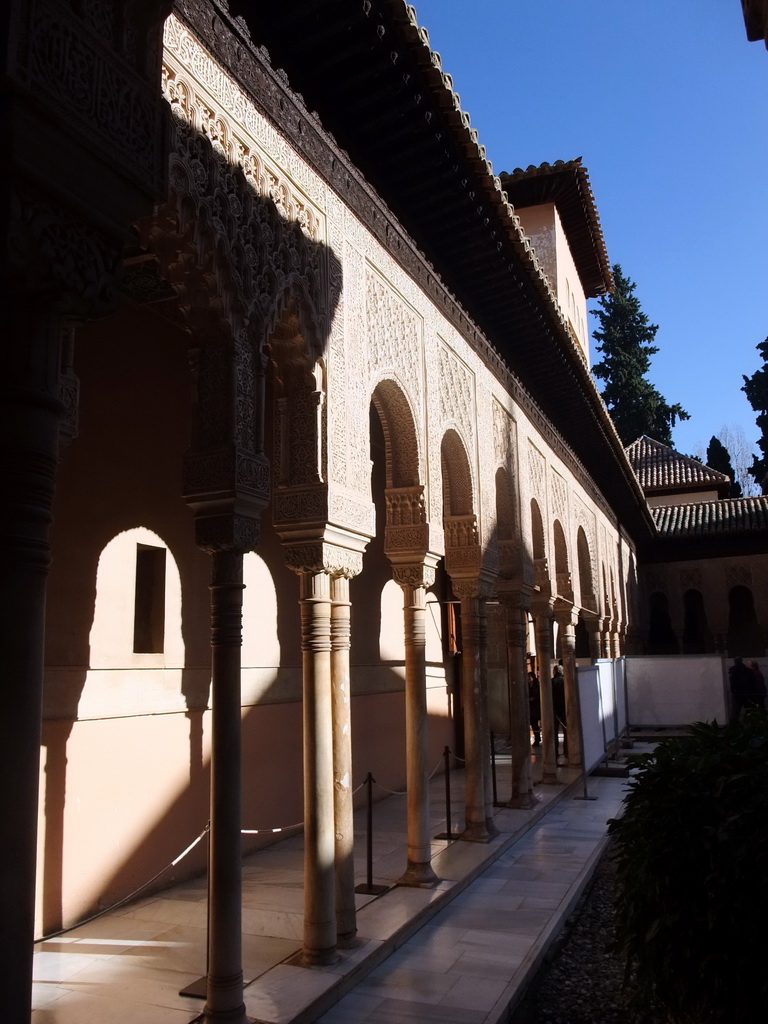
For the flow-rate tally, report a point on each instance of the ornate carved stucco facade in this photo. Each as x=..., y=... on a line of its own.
x=302, y=504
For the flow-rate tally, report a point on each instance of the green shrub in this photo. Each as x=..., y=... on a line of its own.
x=692, y=874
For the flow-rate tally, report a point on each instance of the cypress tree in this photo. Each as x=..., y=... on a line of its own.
x=625, y=339
x=756, y=390
x=719, y=458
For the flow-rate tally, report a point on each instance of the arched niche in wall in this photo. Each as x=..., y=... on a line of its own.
x=136, y=646
x=745, y=638
x=261, y=644
x=696, y=635
x=587, y=595
x=661, y=636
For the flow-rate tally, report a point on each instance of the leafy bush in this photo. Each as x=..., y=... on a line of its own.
x=692, y=873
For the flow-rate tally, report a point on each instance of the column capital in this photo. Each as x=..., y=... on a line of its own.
x=566, y=614
x=514, y=594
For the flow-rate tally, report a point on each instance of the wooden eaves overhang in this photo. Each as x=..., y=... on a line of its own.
x=366, y=68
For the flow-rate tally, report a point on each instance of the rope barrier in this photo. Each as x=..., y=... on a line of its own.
x=130, y=896
x=246, y=832
x=272, y=831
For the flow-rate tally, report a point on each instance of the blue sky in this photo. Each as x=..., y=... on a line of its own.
x=667, y=103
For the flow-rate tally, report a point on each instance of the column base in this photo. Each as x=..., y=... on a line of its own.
x=476, y=833
x=233, y=1016
x=348, y=940
x=418, y=876
x=551, y=779
x=490, y=826
x=523, y=802
x=319, y=957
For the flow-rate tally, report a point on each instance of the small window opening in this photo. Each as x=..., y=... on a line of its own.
x=149, y=610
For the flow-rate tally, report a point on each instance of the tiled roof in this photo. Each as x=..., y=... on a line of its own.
x=660, y=468
x=566, y=184
x=729, y=516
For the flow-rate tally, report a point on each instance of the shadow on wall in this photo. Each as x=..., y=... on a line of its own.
x=108, y=680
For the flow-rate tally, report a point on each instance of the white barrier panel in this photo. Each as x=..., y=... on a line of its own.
x=588, y=677
x=676, y=691
x=608, y=712
x=620, y=689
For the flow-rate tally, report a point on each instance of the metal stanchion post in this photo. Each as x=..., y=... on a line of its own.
x=199, y=989
x=447, y=834
x=369, y=888
x=493, y=773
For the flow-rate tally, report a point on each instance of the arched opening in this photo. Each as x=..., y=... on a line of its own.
x=696, y=636
x=661, y=636
x=587, y=596
x=562, y=570
x=745, y=638
x=582, y=641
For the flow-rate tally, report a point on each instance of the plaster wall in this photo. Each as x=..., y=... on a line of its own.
x=714, y=578
x=543, y=226
x=126, y=730
x=688, y=498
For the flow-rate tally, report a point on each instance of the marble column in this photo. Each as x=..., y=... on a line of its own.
x=419, y=870
x=224, y=1002
x=319, y=843
x=593, y=630
x=544, y=647
x=485, y=726
x=30, y=414
x=520, y=739
x=344, y=826
x=566, y=620
x=475, y=827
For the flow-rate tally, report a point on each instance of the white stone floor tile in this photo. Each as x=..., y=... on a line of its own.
x=474, y=993
x=128, y=966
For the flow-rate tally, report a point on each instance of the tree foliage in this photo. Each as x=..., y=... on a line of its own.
x=692, y=889
x=625, y=339
x=719, y=458
x=756, y=390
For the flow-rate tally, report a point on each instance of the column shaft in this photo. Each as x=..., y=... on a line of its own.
x=344, y=825
x=419, y=870
x=28, y=487
x=319, y=843
x=520, y=738
x=29, y=436
x=225, y=972
x=475, y=828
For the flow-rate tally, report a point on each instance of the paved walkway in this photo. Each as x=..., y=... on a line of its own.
x=461, y=952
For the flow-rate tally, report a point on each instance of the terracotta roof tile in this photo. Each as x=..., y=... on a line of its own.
x=713, y=518
x=660, y=468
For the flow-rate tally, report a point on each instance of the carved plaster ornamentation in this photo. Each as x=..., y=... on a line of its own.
x=558, y=496
x=394, y=334
x=261, y=235
x=536, y=473
x=504, y=440
x=319, y=556
x=738, y=576
x=83, y=60
x=416, y=575
x=656, y=580
x=690, y=579
x=456, y=389
x=61, y=261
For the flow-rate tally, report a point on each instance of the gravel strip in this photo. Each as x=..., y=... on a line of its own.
x=581, y=981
